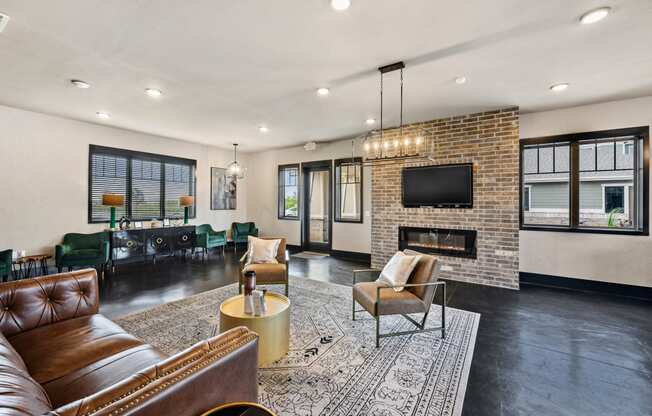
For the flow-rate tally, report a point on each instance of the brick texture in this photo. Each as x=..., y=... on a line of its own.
x=489, y=140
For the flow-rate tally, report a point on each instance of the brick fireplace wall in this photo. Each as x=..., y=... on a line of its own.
x=489, y=140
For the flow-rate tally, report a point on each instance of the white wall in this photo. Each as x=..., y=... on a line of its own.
x=608, y=258
x=263, y=194
x=44, y=176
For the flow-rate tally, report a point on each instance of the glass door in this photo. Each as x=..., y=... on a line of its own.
x=316, y=219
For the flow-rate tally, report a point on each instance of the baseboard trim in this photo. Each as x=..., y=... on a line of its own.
x=607, y=288
x=293, y=248
x=351, y=255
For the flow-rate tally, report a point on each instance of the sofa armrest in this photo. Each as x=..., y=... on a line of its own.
x=220, y=234
x=213, y=372
x=254, y=232
x=30, y=303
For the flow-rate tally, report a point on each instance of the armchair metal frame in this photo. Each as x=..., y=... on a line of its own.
x=420, y=325
x=285, y=282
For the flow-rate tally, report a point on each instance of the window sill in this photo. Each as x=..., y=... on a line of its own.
x=585, y=230
x=289, y=218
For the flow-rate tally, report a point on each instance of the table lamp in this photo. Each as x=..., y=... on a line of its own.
x=186, y=202
x=113, y=201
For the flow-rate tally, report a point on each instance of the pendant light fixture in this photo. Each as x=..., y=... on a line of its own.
x=401, y=143
x=234, y=170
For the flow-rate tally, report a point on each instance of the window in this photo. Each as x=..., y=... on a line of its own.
x=288, y=192
x=348, y=190
x=151, y=184
x=546, y=175
x=589, y=182
x=613, y=199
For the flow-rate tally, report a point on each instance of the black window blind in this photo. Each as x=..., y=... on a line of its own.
x=151, y=184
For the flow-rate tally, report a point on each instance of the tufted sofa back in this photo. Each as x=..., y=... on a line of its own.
x=47, y=300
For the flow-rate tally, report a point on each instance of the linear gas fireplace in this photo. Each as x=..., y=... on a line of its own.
x=448, y=242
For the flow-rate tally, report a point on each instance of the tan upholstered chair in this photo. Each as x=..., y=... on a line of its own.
x=271, y=273
x=380, y=299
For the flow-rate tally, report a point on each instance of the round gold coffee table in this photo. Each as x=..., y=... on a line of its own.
x=273, y=328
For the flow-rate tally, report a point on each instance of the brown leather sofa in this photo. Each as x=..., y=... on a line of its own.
x=58, y=356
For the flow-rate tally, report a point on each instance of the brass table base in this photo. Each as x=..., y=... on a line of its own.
x=273, y=328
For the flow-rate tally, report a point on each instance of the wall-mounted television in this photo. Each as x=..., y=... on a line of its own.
x=444, y=186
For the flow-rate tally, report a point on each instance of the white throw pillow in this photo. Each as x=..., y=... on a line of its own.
x=398, y=269
x=262, y=251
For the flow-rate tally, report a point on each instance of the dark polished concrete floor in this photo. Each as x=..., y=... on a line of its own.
x=539, y=351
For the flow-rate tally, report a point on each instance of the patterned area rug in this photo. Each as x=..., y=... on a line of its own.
x=333, y=367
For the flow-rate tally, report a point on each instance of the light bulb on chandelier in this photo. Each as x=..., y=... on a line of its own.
x=234, y=170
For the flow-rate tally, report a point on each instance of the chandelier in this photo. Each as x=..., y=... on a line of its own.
x=234, y=170
x=396, y=144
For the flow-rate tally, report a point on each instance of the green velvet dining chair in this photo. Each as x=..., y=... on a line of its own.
x=240, y=232
x=81, y=250
x=208, y=238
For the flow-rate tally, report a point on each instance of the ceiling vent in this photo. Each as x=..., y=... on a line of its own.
x=4, y=19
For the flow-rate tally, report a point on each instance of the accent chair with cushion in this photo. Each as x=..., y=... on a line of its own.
x=59, y=356
x=380, y=298
x=5, y=264
x=240, y=232
x=83, y=250
x=207, y=238
x=268, y=273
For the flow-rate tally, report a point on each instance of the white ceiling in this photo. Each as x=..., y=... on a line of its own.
x=227, y=67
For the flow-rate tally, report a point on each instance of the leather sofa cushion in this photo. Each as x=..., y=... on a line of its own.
x=267, y=272
x=21, y=394
x=101, y=374
x=391, y=302
x=56, y=350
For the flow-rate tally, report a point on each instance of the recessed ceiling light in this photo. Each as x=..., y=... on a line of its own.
x=370, y=121
x=340, y=5
x=153, y=92
x=323, y=91
x=263, y=129
x=595, y=15
x=460, y=80
x=559, y=87
x=79, y=83
x=102, y=115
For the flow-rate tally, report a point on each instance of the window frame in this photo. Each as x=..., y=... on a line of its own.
x=130, y=155
x=336, y=196
x=281, y=193
x=575, y=140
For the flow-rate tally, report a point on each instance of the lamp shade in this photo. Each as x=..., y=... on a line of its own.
x=113, y=200
x=186, y=201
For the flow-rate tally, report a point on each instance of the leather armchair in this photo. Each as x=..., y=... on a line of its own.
x=83, y=250
x=268, y=273
x=207, y=238
x=5, y=264
x=240, y=232
x=380, y=299
x=59, y=356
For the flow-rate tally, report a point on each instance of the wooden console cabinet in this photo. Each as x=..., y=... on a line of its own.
x=147, y=243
